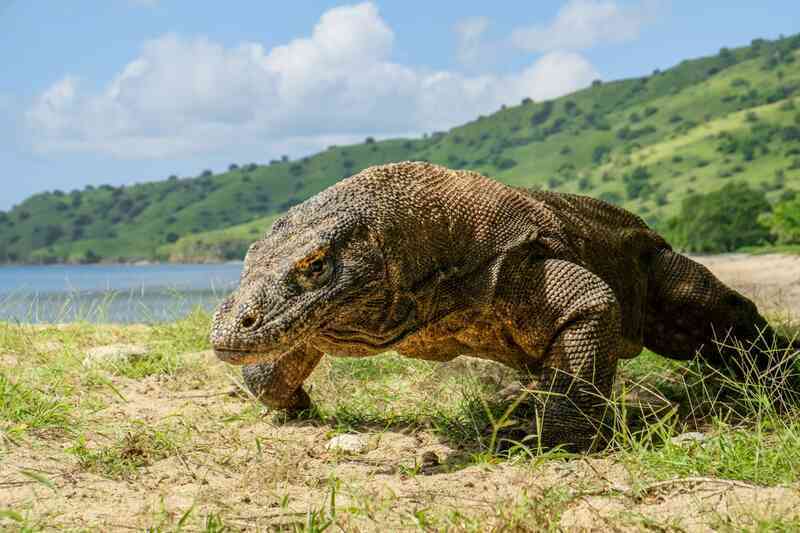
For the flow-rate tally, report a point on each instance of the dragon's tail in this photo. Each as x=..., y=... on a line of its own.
x=692, y=312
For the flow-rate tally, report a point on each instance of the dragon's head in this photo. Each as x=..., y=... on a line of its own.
x=314, y=262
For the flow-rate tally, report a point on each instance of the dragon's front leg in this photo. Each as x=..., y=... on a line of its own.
x=570, y=320
x=279, y=384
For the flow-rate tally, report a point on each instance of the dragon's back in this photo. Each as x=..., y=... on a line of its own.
x=588, y=215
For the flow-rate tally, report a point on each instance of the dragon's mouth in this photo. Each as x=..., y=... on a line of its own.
x=243, y=357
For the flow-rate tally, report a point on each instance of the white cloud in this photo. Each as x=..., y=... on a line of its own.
x=471, y=46
x=554, y=74
x=581, y=24
x=184, y=96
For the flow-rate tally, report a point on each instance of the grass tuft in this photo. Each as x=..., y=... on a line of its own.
x=25, y=408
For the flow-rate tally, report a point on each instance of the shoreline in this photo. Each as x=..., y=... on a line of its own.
x=760, y=252
x=771, y=280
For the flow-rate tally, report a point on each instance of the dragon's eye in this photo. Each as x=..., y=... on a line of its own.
x=316, y=266
x=314, y=270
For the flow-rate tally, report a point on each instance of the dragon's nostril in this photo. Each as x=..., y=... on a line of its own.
x=249, y=322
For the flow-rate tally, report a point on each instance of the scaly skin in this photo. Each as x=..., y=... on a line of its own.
x=435, y=263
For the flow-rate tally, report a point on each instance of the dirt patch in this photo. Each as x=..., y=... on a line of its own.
x=255, y=472
x=771, y=280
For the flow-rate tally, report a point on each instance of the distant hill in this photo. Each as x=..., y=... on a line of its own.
x=645, y=143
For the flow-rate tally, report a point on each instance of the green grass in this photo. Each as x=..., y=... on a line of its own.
x=134, y=447
x=25, y=408
x=679, y=115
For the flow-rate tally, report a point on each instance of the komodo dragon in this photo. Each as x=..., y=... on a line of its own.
x=435, y=263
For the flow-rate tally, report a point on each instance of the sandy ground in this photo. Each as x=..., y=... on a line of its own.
x=252, y=473
x=771, y=280
x=275, y=476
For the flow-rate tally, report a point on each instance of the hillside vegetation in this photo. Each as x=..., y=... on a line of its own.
x=659, y=145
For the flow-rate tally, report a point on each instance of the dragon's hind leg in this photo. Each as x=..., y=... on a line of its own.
x=690, y=311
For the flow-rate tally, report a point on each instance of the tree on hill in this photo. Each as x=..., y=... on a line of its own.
x=90, y=257
x=720, y=221
x=784, y=220
x=637, y=183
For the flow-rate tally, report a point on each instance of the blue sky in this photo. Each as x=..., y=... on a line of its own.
x=122, y=91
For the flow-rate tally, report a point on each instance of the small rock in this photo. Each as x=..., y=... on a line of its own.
x=689, y=438
x=48, y=346
x=114, y=353
x=429, y=463
x=347, y=443
x=386, y=470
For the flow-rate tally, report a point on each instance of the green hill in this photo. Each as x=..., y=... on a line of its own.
x=648, y=143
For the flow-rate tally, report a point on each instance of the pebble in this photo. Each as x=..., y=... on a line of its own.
x=347, y=443
x=114, y=353
x=689, y=437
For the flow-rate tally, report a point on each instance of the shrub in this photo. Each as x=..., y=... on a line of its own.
x=505, y=163
x=626, y=133
x=611, y=197
x=52, y=233
x=600, y=153
x=791, y=133
x=83, y=220
x=90, y=257
x=541, y=116
x=784, y=221
x=637, y=183
x=650, y=111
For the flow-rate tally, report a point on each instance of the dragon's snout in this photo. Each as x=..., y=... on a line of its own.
x=227, y=329
x=243, y=333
